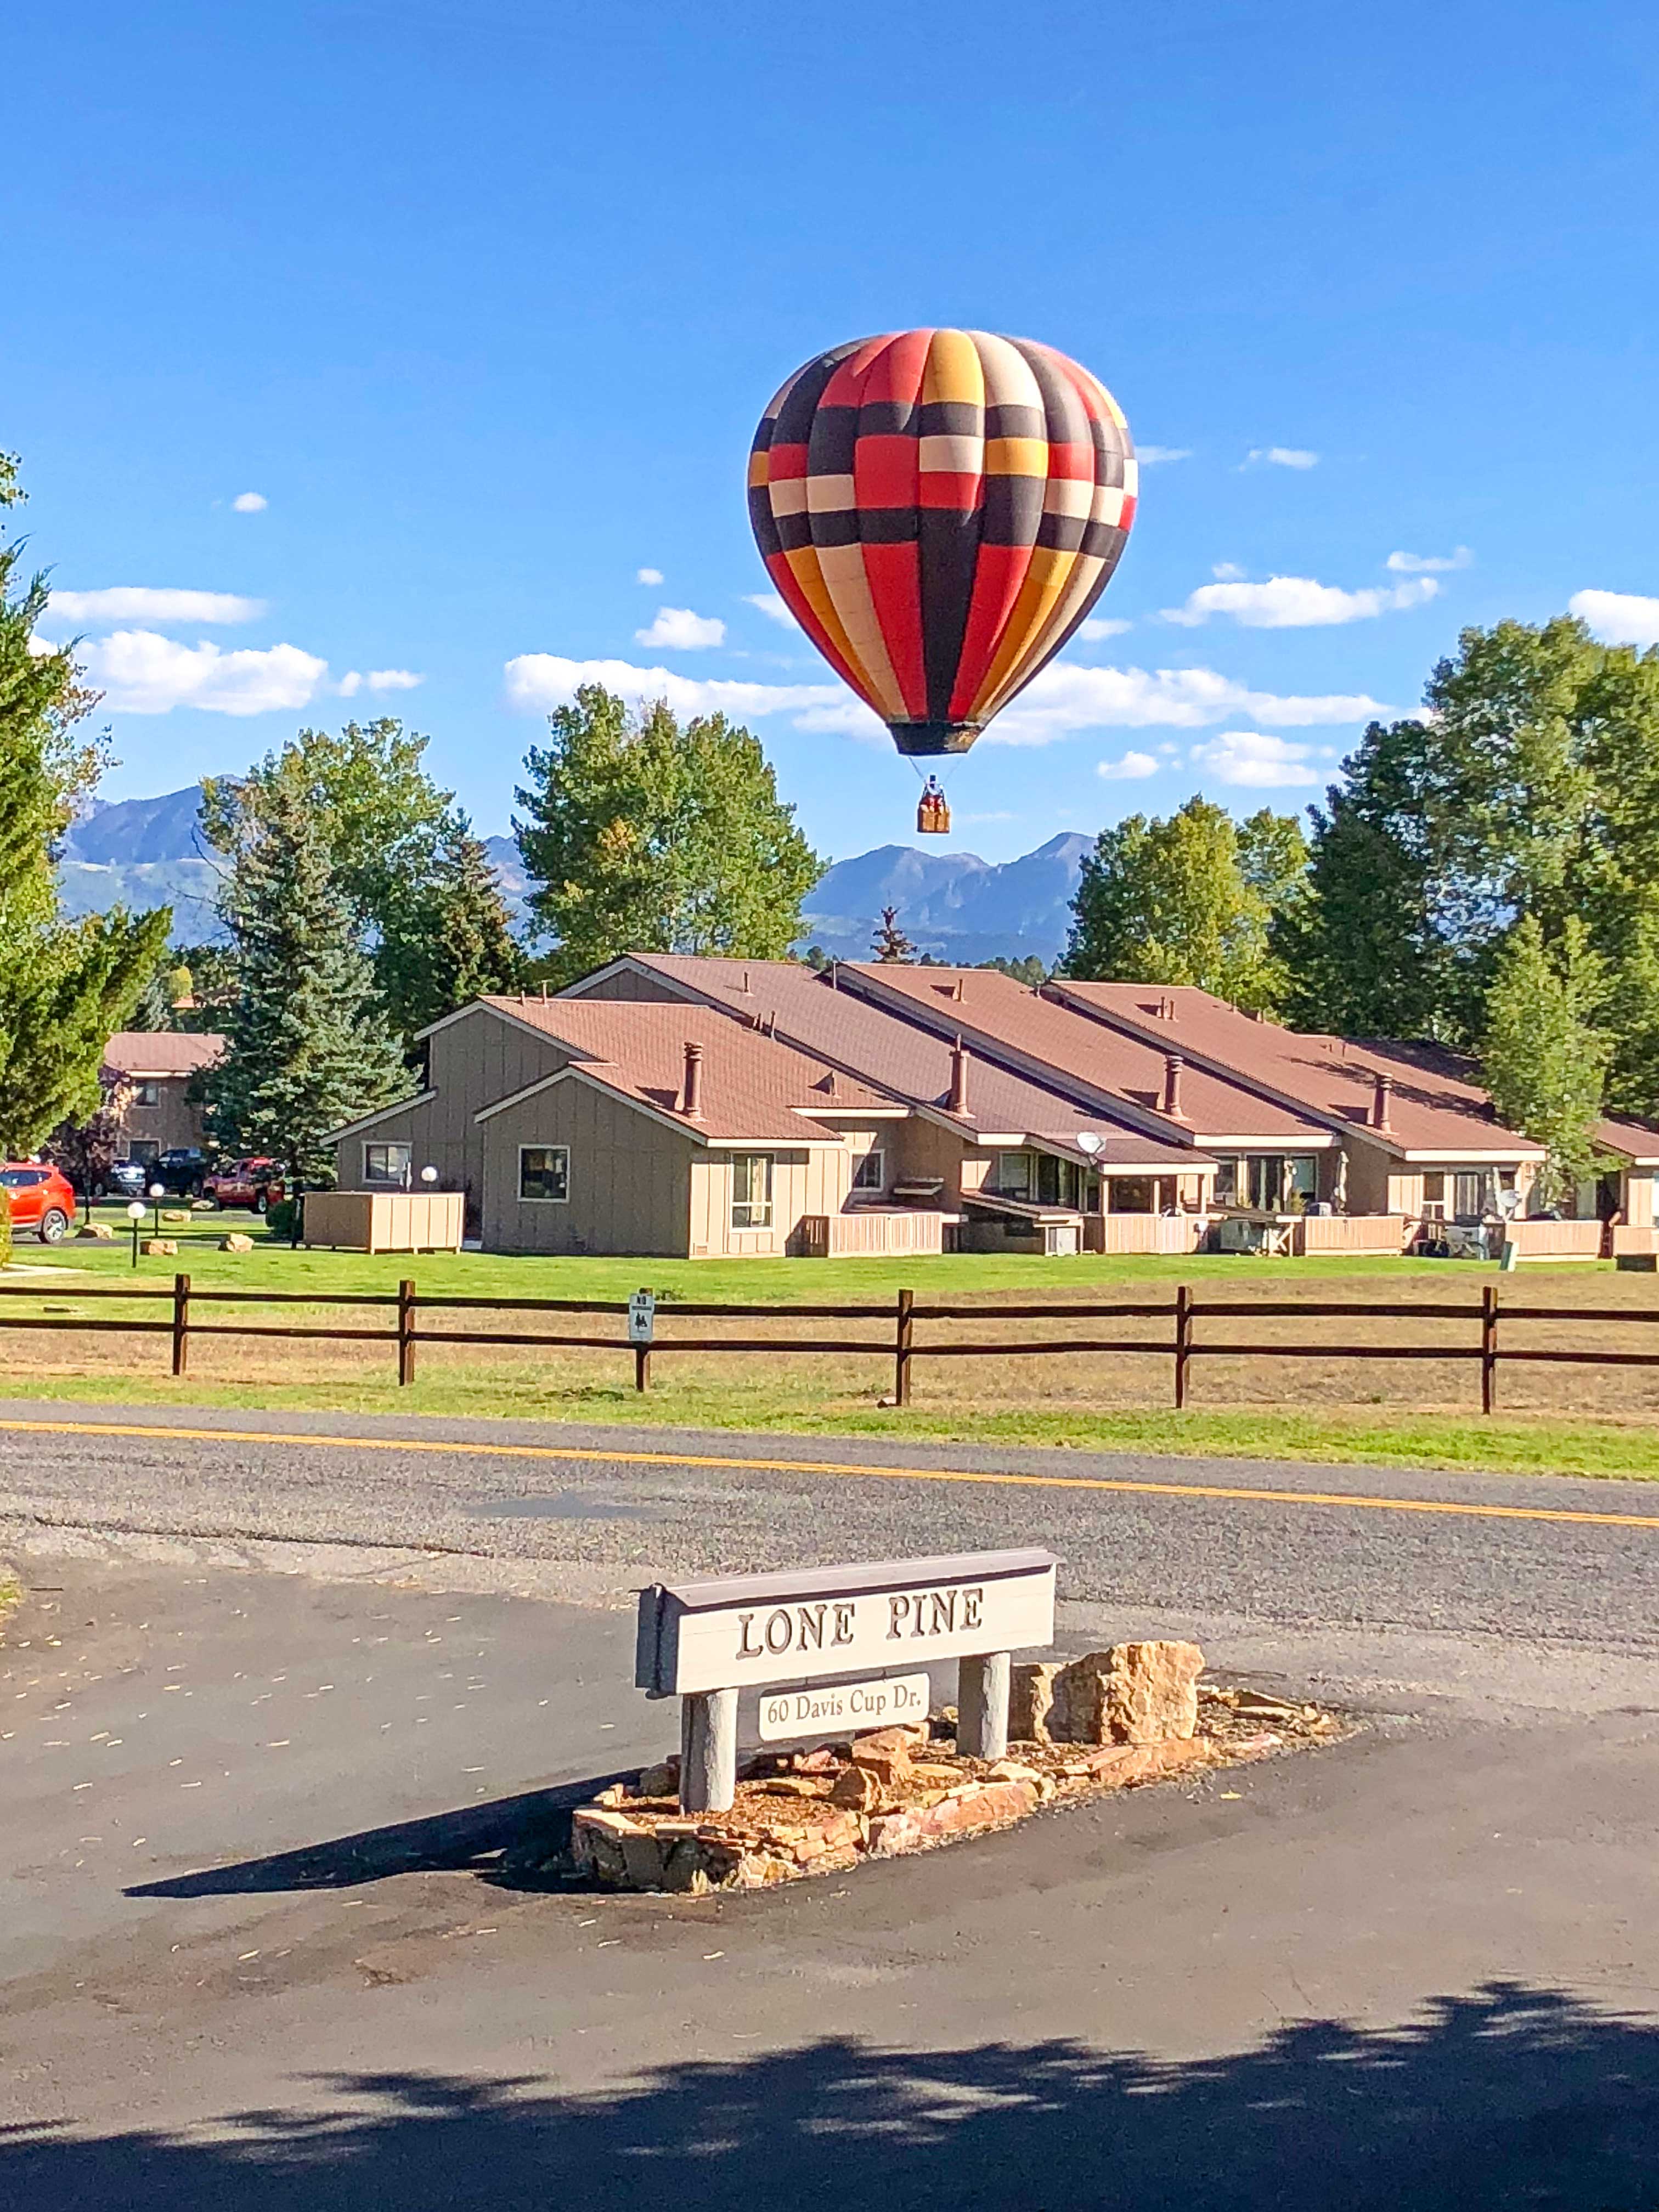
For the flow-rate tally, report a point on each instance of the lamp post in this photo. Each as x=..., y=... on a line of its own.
x=158, y=1191
x=135, y=1215
x=428, y=1176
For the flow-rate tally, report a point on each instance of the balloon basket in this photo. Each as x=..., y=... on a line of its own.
x=933, y=815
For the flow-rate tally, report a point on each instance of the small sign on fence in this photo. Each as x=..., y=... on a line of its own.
x=642, y=1317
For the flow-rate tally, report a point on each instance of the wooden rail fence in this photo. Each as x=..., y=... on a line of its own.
x=182, y=1322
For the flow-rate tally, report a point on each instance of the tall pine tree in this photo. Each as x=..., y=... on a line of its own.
x=308, y=1046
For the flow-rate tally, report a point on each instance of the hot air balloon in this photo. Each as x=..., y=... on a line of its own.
x=940, y=510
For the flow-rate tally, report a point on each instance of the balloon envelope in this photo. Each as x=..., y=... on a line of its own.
x=940, y=510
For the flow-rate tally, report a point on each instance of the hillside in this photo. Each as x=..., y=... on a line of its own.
x=146, y=852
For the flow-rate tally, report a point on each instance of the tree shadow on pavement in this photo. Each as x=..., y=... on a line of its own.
x=1510, y=2096
x=510, y=1839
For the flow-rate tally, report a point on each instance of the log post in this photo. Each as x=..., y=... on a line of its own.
x=180, y=1323
x=405, y=1333
x=983, y=1684
x=1488, y=1346
x=641, y=1367
x=1183, y=1342
x=902, y=1345
x=709, y=1752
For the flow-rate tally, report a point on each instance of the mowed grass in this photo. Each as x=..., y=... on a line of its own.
x=1298, y=1398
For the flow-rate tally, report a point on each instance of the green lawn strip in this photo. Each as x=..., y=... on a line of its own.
x=1610, y=1450
x=11, y=1594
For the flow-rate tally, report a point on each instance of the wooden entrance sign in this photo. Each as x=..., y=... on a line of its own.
x=705, y=1641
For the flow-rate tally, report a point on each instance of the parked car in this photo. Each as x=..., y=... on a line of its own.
x=257, y=1183
x=182, y=1172
x=122, y=1179
x=42, y=1199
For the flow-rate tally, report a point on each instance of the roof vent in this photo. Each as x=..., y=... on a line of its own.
x=956, y=1099
x=1382, y=1098
x=746, y=983
x=1173, y=1064
x=691, y=1101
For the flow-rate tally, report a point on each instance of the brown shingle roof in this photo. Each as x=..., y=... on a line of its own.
x=752, y=1085
x=162, y=1052
x=1079, y=1051
x=890, y=1050
x=1435, y=1106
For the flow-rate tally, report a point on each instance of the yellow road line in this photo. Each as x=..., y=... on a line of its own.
x=443, y=1445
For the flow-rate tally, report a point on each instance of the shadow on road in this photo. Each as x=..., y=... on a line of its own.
x=1509, y=2096
x=510, y=1839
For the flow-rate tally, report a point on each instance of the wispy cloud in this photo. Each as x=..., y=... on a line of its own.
x=1102, y=627
x=1281, y=457
x=1429, y=564
x=250, y=502
x=1061, y=701
x=378, y=679
x=141, y=672
x=773, y=606
x=681, y=631
x=1297, y=603
x=1153, y=454
x=1618, y=617
x=648, y=575
x=1256, y=761
x=143, y=603
x=1130, y=769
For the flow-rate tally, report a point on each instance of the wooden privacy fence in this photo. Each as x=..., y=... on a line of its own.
x=901, y=1319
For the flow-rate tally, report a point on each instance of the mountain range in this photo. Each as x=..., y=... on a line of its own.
x=149, y=852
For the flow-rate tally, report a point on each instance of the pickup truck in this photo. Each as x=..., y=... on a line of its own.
x=255, y=1183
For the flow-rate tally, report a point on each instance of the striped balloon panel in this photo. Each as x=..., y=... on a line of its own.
x=940, y=510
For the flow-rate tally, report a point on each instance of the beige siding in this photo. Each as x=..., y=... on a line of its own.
x=1369, y=1179
x=624, y=986
x=170, y=1121
x=803, y=1182
x=630, y=1178
x=1639, y=1198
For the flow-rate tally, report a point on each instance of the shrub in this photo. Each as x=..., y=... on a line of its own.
x=279, y=1222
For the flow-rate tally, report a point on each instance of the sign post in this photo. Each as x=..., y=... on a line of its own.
x=641, y=1330
x=704, y=1640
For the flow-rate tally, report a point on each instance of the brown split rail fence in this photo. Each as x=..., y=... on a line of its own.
x=184, y=1321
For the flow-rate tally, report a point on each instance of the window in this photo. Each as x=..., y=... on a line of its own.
x=1434, y=1196
x=147, y=1093
x=143, y=1149
x=544, y=1173
x=1013, y=1175
x=23, y=1178
x=1470, y=1197
x=752, y=1190
x=871, y=1173
x=1226, y=1182
x=386, y=1163
x=1304, y=1178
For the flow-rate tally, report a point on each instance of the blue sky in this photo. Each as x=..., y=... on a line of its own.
x=482, y=298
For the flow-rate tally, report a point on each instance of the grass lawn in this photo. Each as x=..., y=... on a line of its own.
x=1315, y=1404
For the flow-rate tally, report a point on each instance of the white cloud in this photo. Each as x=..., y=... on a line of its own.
x=1428, y=564
x=682, y=631
x=773, y=606
x=140, y=603
x=1227, y=572
x=140, y=672
x=1297, y=603
x=1104, y=626
x=393, y=679
x=1282, y=456
x=1129, y=770
x=1252, y=758
x=648, y=575
x=250, y=502
x=1060, y=702
x=1153, y=454
x=1618, y=617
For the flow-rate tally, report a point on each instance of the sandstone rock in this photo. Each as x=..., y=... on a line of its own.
x=893, y=1832
x=235, y=1242
x=642, y=1859
x=174, y=1214
x=1151, y=1692
x=160, y=1247
x=1030, y=1701
x=858, y=1788
x=886, y=1753
x=822, y=1762
x=99, y=1229
x=662, y=1780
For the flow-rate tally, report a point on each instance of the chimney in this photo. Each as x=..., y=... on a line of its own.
x=1173, y=1064
x=745, y=982
x=956, y=1101
x=692, y=1105
x=1380, y=1097
x=957, y=994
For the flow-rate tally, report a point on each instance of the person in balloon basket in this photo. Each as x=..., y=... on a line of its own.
x=932, y=810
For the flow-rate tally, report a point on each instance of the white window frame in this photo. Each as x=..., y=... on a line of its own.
x=863, y=1177
x=758, y=1211
x=543, y=1198
x=147, y=1093
x=398, y=1181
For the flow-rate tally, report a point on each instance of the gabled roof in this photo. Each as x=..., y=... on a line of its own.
x=755, y=1089
x=1437, y=1107
x=154, y=1053
x=1081, y=1055
x=1637, y=1140
x=885, y=1047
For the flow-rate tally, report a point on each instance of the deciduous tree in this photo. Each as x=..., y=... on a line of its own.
x=1544, y=1054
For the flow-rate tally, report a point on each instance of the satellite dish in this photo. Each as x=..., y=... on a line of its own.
x=1089, y=1143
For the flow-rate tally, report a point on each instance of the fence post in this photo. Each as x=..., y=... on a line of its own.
x=902, y=1345
x=1183, y=1342
x=1488, y=1346
x=641, y=1367
x=405, y=1333
x=180, y=1323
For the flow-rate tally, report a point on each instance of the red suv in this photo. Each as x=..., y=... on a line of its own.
x=257, y=1183
x=41, y=1199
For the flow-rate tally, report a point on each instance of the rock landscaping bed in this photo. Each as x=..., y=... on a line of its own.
x=1113, y=1720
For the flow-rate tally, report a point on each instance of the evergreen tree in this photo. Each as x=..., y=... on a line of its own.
x=448, y=939
x=1191, y=899
x=308, y=1046
x=64, y=986
x=643, y=834
x=1544, y=1055
x=890, y=943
